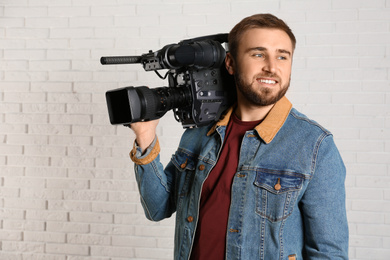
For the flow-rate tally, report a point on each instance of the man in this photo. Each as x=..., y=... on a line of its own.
x=265, y=182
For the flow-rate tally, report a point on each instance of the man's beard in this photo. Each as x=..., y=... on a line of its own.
x=262, y=96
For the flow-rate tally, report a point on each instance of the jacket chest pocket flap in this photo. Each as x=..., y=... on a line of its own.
x=277, y=193
x=183, y=161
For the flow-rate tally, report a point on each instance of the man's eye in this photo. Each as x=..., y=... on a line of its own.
x=282, y=58
x=260, y=55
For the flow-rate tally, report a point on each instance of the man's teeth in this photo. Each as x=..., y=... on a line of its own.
x=267, y=81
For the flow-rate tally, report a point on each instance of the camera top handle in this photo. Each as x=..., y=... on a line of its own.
x=202, y=52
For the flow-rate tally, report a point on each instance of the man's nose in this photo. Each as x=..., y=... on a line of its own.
x=269, y=66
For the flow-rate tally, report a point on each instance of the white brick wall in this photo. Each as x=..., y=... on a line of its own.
x=67, y=190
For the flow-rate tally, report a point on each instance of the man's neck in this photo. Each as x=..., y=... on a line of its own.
x=246, y=112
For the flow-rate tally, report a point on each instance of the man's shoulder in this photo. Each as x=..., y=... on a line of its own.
x=305, y=124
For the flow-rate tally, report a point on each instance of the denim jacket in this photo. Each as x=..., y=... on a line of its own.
x=288, y=194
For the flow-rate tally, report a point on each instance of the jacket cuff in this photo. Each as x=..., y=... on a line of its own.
x=148, y=156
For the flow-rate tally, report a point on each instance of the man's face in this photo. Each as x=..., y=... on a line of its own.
x=262, y=68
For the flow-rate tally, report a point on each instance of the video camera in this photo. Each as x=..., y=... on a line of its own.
x=200, y=88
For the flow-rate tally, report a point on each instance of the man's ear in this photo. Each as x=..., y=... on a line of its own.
x=229, y=63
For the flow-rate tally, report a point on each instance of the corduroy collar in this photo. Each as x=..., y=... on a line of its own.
x=271, y=124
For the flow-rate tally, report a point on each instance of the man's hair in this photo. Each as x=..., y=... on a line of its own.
x=266, y=21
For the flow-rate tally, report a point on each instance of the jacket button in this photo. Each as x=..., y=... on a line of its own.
x=277, y=185
x=201, y=167
x=183, y=165
x=190, y=219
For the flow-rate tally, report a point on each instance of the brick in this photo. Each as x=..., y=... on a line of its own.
x=11, y=171
x=46, y=172
x=110, y=185
x=158, y=8
x=24, y=182
x=76, y=22
x=371, y=205
x=45, y=215
x=90, y=152
x=67, y=11
x=20, y=160
x=114, y=10
x=66, y=33
x=73, y=162
x=131, y=241
x=112, y=251
x=43, y=108
x=14, y=65
x=109, y=229
x=62, y=205
x=65, y=87
x=43, y=194
x=25, y=203
x=88, y=239
x=93, y=129
x=70, y=119
x=20, y=54
x=90, y=173
x=12, y=21
x=16, y=214
x=366, y=217
x=67, y=249
x=157, y=253
x=66, y=227
x=47, y=237
x=163, y=231
x=112, y=163
x=373, y=182
x=359, y=241
x=374, y=14
x=369, y=253
x=11, y=149
x=49, y=65
x=332, y=15
x=23, y=33
x=67, y=184
x=25, y=247
x=11, y=255
x=66, y=54
x=10, y=108
x=70, y=140
x=10, y=235
x=25, y=97
x=46, y=22
x=361, y=4
x=66, y=76
x=15, y=86
x=114, y=207
x=362, y=27
x=43, y=256
x=49, y=129
x=86, y=195
x=23, y=225
x=91, y=217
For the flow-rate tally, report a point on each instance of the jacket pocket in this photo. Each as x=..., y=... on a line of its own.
x=277, y=192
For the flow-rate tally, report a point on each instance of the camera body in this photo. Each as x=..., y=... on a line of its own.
x=200, y=88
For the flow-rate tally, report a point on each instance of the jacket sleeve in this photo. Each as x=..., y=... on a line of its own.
x=155, y=183
x=323, y=205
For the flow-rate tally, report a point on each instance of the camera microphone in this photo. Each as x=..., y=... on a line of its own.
x=120, y=60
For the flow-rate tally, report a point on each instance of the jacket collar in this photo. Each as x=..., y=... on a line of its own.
x=271, y=124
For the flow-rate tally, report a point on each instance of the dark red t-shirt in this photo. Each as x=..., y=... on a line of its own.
x=210, y=238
